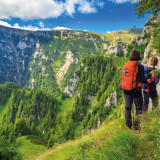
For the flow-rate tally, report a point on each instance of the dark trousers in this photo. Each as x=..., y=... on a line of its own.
x=153, y=96
x=138, y=101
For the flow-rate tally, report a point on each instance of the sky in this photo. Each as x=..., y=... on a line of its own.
x=102, y=16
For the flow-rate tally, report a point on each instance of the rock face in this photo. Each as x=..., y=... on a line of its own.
x=146, y=31
x=114, y=47
x=112, y=100
x=70, y=89
x=69, y=59
x=26, y=55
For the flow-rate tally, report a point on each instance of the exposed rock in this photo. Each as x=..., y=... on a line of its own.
x=145, y=59
x=112, y=99
x=142, y=41
x=90, y=97
x=98, y=123
x=63, y=70
x=70, y=89
x=85, y=69
x=22, y=45
x=113, y=48
x=39, y=51
x=32, y=83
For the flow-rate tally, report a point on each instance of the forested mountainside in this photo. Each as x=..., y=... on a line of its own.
x=47, y=59
x=45, y=112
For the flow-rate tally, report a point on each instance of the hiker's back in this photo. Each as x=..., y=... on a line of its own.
x=129, y=76
x=147, y=73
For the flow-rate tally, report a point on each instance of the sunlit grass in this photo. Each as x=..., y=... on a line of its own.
x=3, y=109
x=66, y=105
x=113, y=140
x=28, y=149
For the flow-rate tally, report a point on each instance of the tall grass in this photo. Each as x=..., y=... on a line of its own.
x=113, y=141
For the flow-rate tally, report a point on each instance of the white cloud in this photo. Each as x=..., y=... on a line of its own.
x=87, y=7
x=110, y=31
x=41, y=24
x=42, y=9
x=5, y=24
x=32, y=28
x=61, y=28
x=29, y=27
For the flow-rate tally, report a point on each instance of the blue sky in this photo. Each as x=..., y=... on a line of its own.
x=100, y=16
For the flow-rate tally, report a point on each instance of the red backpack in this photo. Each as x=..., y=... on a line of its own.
x=129, y=76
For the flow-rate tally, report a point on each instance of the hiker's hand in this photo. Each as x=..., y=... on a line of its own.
x=149, y=81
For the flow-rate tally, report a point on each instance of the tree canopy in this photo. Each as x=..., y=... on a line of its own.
x=147, y=6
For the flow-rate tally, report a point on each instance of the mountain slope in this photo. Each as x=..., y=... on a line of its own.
x=47, y=59
x=113, y=141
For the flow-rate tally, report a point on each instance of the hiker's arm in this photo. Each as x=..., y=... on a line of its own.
x=156, y=79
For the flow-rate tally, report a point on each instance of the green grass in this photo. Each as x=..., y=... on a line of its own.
x=124, y=35
x=113, y=140
x=28, y=149
x=66, y=105
x=119, y=61
x=3, y=109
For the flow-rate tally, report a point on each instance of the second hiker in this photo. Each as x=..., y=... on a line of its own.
x=131, y=83
x=149, y=91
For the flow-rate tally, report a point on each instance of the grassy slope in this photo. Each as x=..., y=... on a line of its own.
x=124, y=35
x=28, y=149
x=113, y=141
x=66, y=105
x=3, y=110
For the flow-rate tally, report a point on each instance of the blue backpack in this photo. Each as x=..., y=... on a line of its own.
x=147, y=74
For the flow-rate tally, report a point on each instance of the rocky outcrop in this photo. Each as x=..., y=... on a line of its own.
x=89, y=97
x=22, y=45
x=149, y=51
x=112, y=100
x=69, y=59
x=70, y=89
x=113, y=47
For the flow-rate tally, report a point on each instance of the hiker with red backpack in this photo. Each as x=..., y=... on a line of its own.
x=131, y=83
x=149, y=90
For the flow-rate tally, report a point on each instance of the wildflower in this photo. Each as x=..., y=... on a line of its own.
x=99, y=148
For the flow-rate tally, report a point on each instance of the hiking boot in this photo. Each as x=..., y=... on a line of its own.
x=136, y=125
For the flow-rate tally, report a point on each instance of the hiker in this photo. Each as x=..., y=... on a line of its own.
x=131, y=83
x=149, y=90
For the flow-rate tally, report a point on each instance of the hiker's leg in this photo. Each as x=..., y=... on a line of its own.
x=138, y=101
x=145, y=101
x=128, y=106
x=154, y=97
